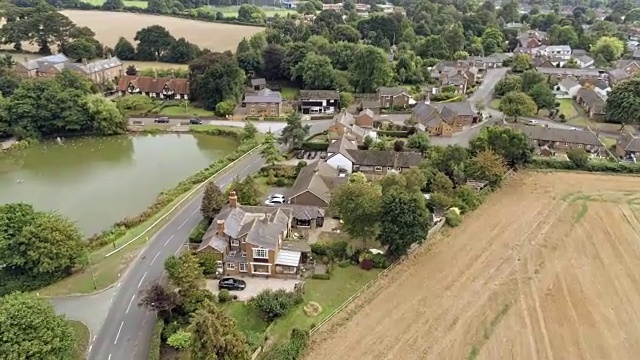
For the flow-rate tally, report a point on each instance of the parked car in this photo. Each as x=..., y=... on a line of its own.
x=274, y=201
x=162, y=120
x=532, y=122
x=323, y=155
x=300, y=155
x=230, y=283
x=195, y=121
x=277, y=196
x=311, y=155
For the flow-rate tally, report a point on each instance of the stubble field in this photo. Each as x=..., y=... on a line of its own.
x=546, y=269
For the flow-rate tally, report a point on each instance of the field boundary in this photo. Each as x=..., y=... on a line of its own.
x=185, y=197
x=366, y=286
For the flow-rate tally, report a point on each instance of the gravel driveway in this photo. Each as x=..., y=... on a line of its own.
x=255, y=285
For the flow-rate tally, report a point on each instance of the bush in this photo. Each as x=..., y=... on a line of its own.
x=578, y=157
x=156, y=341
x=321, y=276
x=452, y=218
x=292, y=349
x=379, y=261
x=393, y=133
x=280, y=182
x=315, y=146
x=274, y=304
x=224, y=296
x=336, y=251
x=198, y=232
x=366, y=264
x=208, y=262
x=180, y=340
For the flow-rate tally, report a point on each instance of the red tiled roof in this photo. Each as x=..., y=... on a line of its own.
x=154, y=85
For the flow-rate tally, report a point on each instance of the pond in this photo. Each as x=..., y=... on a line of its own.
x=98, y=181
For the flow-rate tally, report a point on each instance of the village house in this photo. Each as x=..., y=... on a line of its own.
x=617, y=75
x=376, y=162
x=318, y=101
x=631, y=67
x=591, y=102
x=562, y=52
x=252, y=240
x=165, y=88
x=567, y=89
x=443, y=119
x=396, y=97
x=258, y=84
x=585, y=61
x=561, y=73
x=600, y=86
x=98, y=71
x=264, y=103
x=459, y=74
x=338, y=156
x=47, y=66
x=628, y=147
x=345, y=124
x=314, y=184
x=545, y=138
x=365, y=119
x=532, y=39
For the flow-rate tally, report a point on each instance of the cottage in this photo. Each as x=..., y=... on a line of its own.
x=251, y=240
x=264, y=103
x=631, y=67
x=338, y=156
x=591, y=102
x=345, y=124
x=532, y=39
x=365, y=119
x=258, y=84
x=397, y=97
x=443, y=119
x=375, y=162
x=585, y=61
x=600, y=86
x=628, y=146
x=458, y=74
x=617, y=75
x=561, y=139
x=314, y=184
x=47, y=66
x=155, y=87
x=318, y=101
x=567, y=89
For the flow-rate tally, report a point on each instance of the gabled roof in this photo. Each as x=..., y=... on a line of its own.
x=258, y=82
x=154, y=84
x=392, y=91
x=585, y=59
x=568, y=83
x=394, y=159
x=431, y=114
x=590, y=97
x=319, y=95
x=339, y=146
x=316, y=178
x=558, y=48
x=584, y=137
x=568, y=71
x=97, y=66
x=263, y=96
x=618, y=74
x=51, y=59
x=599, y=83
x=367, y=112
x=629, y=142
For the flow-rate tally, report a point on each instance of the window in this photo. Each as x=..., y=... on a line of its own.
x=243, y=267
x=389, y=168
x=399, y=169
x=253, y=111
x=235, y=242
x=231, y=266
x=579, y=145
x=356, y=167
x=261, y=253
x=244, y=254
x=378, y=168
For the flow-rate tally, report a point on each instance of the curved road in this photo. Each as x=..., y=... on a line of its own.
x=124, y=333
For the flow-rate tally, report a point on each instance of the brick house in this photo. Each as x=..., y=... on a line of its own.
x=264, y=103
x=561, y=139
x=591, y=102
x=155, y=87
x=365, y=119
x=251, y=240
x=393, y=97
x=314, y=184
x=345, y=124
x=628, y=146
x=443, y=119
x=376, y=162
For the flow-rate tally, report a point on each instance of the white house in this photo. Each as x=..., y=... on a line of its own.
x=566, y=89
x=556, y=51
x=337, y=155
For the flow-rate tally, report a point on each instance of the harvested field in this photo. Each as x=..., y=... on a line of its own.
x=546, y=269
x=110, y=26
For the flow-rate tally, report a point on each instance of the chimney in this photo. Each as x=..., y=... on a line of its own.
x=220, y=227
x=155, y=73
x=427, y=98
x=233, y=200
x=84, y=62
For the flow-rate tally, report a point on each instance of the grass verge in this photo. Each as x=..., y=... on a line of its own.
x=82, y=335
x=178, y=110
x=567, y=108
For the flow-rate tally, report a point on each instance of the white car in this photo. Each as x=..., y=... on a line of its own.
x=274, y=201
x=532, y=122
x=276, y=196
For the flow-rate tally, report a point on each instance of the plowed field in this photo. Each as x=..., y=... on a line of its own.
x=547, y=269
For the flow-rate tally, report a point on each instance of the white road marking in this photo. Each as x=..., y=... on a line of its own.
x=109, y=356
x=166, y=242
x=195, y=211
x=130, y=302
x=118, y=335
x=119, y=282
x=184, y=222
x=154, y=258
x=141, y=280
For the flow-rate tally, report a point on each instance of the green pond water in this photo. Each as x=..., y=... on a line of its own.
x=98, y=181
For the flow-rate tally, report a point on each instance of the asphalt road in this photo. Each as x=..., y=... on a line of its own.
x=126, y=330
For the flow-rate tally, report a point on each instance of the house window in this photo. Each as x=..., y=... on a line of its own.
x=242, y=267
x=235, y=242
x=378, y=168
x=261, y=253
x=273, y=112
x=579, y=145
x=566, y=144
x=244, y=254
x=389, y=168
x=263, y=104
x=253, y=111
x=231, y=266
x=399, y=169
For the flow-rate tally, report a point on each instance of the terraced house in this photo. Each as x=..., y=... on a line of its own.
x=98, y=71
x=154, y=87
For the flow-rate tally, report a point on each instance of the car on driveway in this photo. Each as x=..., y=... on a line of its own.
x=274, y=201
x=229, y=283
x=311, y=155
x=532, y=122
x=323, y=155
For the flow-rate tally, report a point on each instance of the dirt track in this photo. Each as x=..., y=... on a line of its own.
x=547, y=269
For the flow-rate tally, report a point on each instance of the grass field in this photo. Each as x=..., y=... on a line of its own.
x=545, y=269
x=179, y=110
x=82, y=339
x=567, y=108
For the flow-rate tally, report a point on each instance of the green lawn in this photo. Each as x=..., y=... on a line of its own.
x=131, y=3
x=567, y=108
x=328, y=237
x=289, y=93
x=494, y=104
x=330, y=294
x=179, y=110
x=320, y=138
x=248, y=318
x=82, y=339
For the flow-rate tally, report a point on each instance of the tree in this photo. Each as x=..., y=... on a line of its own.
x=180, y=340
x=492, y=40
x=531, y=78
x=32, y=330
x=159, y=298
x=294, y=133
x=103, y=116
x=517, y=104
x=404, y=221
x=542, y=95
x=442, y=184
x=316, y=72
x=215, y=336
x=184, y=272
x=460, y=55
x=610, y=48
x=398, y=145
x=346, y=99
x=216, y=77
x=358, y=205
x=181, y=52
x=508, y=84
x=510, y=144
x=487, y=166
x=270, y=151
x=80, y=49
x=225, y=108
x=113, y=5
x=521, y=63
x=273, y=304
x=153, y=43
x=578, y=157
x=571, y=64
x=433, y=46
x=272, y=57
x=419, y=141
x=370, y=69
x=623, y=103
x=213, y=200
x=247, y=191
x=251, y=14
x=249, y=131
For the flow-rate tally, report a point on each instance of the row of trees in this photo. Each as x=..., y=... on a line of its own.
x=155, y=43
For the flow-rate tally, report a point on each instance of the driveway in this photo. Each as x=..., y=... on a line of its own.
x=255, y=285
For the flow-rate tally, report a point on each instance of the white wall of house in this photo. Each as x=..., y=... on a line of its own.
x=339, y=161
x=604, y=93
x=563, y=93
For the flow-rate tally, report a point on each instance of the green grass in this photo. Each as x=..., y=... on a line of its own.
x=330, y=294
x=494, y=104
x=583, y=211
x=179, y=110
x=567, y=108
x=329, y=237
x=131, y=3
x=608, y=141
x=233, y=10
x=289, y=93
x=247, y=317
x=82, y=339
x=320, y=138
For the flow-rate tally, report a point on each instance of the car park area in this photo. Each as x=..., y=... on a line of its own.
x=254, y=285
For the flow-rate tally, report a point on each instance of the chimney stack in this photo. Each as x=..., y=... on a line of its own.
x=233, y=200
x=220, y=227
x=155, y=73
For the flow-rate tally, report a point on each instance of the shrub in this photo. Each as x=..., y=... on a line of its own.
x=292, y=349
x=379, y=261
x=280, y=182
x=366, y=264
x=224, y=296
x=338, y=250
x=208, y=262
x=315, y=146
x=321, y=276
x=180, y=340
x=452, y=218
x=393, y=133
x=170, y=329
x=274, y=304
x=198, y=232
x=156, y=341
x=578, y=157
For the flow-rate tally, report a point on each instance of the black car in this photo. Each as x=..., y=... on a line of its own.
x=230, y=283
x=300, y=154
x=162, y=120
x=195, y=121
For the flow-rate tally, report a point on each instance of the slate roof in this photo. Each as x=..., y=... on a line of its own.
x=568, y=71
x=618, y=74
x=394, y=159
x=39, y=62
x=318, y=178
x=431, y=114
x=153, y=84
x=543, y=133
x=258, y=82
x=392, y=91
x=264, y=96
x=367, y=112
x=629, y=142
x=579, y=52
x=624, y=63
x=318, y=94
x=599, y=83
x=340, y=145
x=97, y=66
x=591, y=98
x=585, y=59
x=568, y=83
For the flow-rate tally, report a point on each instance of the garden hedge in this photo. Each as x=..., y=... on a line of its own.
x=592, y=166
x=156, y=341
x=395, y=134
x=315, y=146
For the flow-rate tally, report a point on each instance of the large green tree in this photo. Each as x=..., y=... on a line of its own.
x=32, y=330
x=358, y=204
x=153, y=43
x=185, y=271
x=270, y=151
x=316, y=72
x=216, y=77
x=623, y=103
x=370, y=69
x=508, y=84
x=295, y=131
x=517, y=104
x=510, y=144
x=215, y=336
x=213, y=200
x=609, y=48
x=543, y=96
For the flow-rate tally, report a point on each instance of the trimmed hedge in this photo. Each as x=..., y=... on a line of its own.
x=395, y=134
x=156, y=341
x=321, y=276
x=293, y=349
x=592, y=166
x=315, y=146
x=165, y=198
